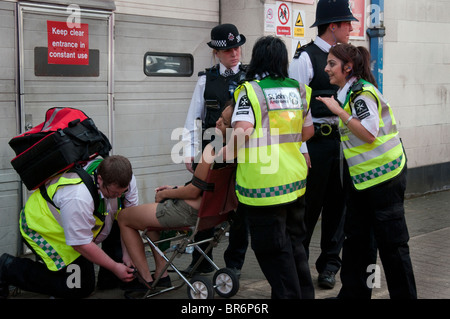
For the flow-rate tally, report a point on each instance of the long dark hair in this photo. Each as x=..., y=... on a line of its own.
x=269, y=56
x=360, y=58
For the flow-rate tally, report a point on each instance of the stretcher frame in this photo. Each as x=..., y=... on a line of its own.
x=218, y=200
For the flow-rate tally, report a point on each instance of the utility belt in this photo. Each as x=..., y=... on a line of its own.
x=326, y=130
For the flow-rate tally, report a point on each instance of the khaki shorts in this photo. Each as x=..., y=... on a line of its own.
x=176, y=213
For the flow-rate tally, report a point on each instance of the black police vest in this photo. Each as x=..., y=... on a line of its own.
x=320, y=84
x=218, y=91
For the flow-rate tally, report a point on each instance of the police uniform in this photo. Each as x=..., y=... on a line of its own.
x=213, y=90
x=324, y=195
x=272, y=191
x=375, y=182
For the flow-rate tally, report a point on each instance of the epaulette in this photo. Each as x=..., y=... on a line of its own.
x=215, y=68
x=243, y=67
x=301, y=48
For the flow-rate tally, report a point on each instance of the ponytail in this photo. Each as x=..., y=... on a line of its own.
x=365, y=69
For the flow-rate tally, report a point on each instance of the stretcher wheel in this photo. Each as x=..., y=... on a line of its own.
x=204, y=287
x=226, y=282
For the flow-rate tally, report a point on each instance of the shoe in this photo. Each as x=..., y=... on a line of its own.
x=327, y=279
x=202, y=269
x=5, y=260
x=237, y=271
x=138, y=286
x=163, y=282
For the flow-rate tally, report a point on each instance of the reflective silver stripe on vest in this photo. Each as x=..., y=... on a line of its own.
x=380, y=150
x=304, y=102
x=377, y=172
x=387, y=129
x=355, y=141
x=265, y=123
x=42, y=243
x=272, y=140
x=271, y=191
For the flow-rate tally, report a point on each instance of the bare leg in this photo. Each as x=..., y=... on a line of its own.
x=159, y=261
x=130, y=221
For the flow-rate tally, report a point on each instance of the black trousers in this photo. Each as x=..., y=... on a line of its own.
x=277, y=233
x=78, y=281
x=376, y=220
x=324, y=196
x=34, y=276
x=234, y=255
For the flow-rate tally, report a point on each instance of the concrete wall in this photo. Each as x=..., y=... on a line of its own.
x=417, y=84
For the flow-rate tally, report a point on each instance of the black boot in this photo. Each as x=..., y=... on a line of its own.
x=5, y=261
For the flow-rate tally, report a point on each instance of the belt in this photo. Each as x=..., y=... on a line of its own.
x=323, y=129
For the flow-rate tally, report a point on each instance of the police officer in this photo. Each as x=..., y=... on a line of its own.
x=270, y=121
x=374, y=179
x=324, y=193
x=214, y=89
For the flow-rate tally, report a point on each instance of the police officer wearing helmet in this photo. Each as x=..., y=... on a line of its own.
x=324, y=195
x=214, y=88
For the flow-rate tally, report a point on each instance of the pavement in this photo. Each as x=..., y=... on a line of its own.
x=428, y=219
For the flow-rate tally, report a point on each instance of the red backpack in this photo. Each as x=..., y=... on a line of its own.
x=66, y=137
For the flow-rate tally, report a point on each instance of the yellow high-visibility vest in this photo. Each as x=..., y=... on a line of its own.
x=271, y=169
x=41, y=226
x=382, y=160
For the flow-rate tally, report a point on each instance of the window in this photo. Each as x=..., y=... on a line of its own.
x=168, y=64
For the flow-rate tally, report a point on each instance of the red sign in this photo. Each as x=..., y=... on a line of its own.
x=67, y=45
x=358, y=10
x=283, y=14
x=283, y=30
x=284, y=23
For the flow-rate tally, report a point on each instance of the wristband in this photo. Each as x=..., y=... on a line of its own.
x=348, y=120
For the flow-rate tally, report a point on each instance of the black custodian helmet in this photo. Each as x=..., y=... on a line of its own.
x=329, y=11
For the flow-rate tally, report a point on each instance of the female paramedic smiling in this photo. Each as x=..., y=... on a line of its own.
x=374, y=179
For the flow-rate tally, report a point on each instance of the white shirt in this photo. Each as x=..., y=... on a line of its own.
x=196, y=111
x=302, y=70
x=76, y=207
x=364, y=108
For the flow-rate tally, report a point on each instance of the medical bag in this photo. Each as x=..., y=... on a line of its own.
x=66, y=138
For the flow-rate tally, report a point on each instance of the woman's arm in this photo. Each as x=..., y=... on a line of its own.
x=241, y=133
x=188, y=191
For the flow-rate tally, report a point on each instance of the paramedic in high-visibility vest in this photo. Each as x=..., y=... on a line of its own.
x=271, y=119
x=66, y=237
x=374, y=179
